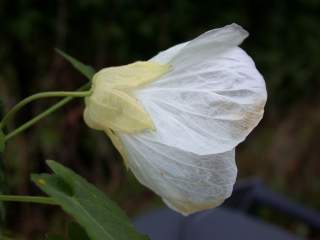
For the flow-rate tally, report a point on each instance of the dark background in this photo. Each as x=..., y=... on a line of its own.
x=284, y=42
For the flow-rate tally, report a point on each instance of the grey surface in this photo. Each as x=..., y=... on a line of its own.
x=219, y=223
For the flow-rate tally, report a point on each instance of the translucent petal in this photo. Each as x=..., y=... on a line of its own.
x=208, y=107
x=167, y=55
x=187, y=182
x=207, y=45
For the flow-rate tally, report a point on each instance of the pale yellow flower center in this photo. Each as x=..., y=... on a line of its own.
x=112, y=106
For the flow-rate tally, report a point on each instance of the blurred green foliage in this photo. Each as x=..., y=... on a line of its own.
x=284, y=42
x=3, y=182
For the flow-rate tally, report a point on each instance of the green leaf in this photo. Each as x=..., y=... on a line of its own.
x=101, y=218
x=76, y=232
x=86, y=70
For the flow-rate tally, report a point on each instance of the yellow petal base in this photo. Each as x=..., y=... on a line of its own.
x=117, y=143
x=112, y=107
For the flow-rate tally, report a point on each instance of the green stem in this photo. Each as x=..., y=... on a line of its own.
x=29, y=199
x=37, y=96
x=50, y=110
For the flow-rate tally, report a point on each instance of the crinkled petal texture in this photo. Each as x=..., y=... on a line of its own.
x=202, y=109
x=186, y=181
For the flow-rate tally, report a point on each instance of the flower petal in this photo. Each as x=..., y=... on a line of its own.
x=187, y=182
x=166, y=56
x=208, y=107
x=206, y=45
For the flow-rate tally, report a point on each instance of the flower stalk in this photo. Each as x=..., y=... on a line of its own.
x=68, y=96
x=29, y=199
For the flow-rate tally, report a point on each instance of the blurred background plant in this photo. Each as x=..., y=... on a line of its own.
x=284, y=42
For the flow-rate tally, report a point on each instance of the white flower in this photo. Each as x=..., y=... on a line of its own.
x=178, y=128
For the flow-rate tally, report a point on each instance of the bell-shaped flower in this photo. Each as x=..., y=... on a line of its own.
x=177, y=118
